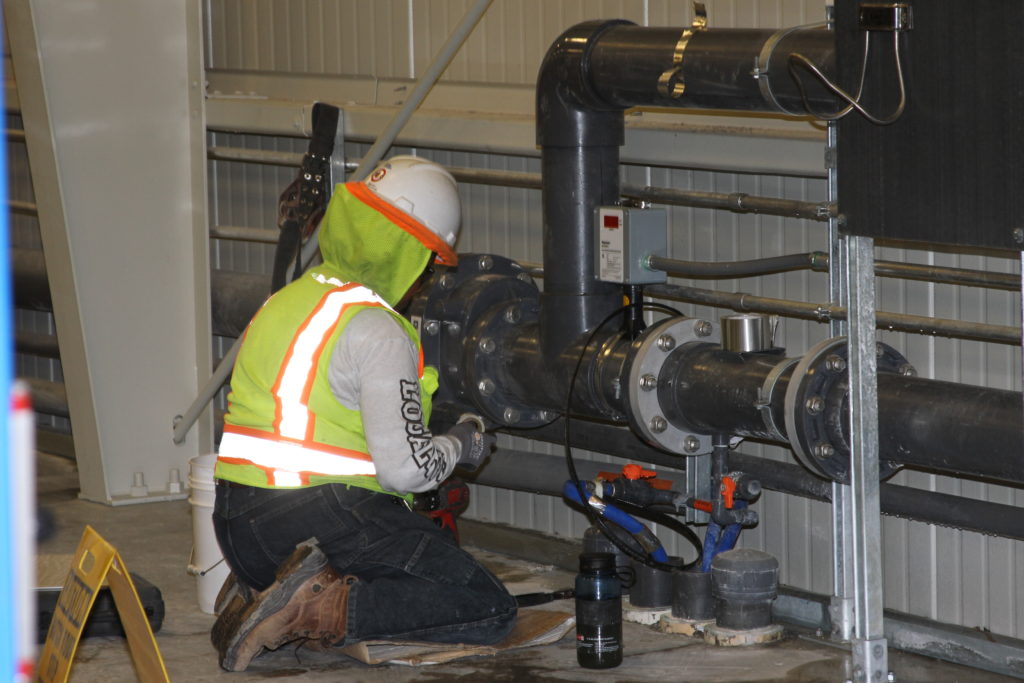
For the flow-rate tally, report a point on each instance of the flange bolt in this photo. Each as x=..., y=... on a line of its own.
x=658, y=424
x=487, y=345
x=648, y=382
x=486, y=387
x=666, y=342
x=703, y=328
x=815, y=404
x=823, y=450
x=691, y=444
x=908, y=370
x=835, y=363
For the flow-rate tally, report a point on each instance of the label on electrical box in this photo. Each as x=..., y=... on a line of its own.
x=611, y=260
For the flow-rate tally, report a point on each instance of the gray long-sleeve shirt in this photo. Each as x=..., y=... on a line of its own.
x=373, y=369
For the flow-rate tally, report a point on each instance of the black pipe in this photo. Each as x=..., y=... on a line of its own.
x=922, y=422
x=630, y=65
x=234, y=299
x=579, y=138
x=706, y=389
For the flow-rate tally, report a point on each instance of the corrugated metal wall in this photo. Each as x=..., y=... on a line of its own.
x=25, y=235
x=949, y=575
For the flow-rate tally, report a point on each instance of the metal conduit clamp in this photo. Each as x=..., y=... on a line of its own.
x=816, y=407
x=649, y=353
x=763, y=60
x=670, y=83
x=766, y=393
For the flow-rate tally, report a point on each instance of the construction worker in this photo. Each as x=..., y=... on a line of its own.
x=326, y=439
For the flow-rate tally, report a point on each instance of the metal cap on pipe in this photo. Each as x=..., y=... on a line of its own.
x=746, y=333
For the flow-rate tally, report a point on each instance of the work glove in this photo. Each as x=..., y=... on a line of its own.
x=476, y=443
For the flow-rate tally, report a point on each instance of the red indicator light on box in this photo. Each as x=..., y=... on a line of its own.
x=611, y=221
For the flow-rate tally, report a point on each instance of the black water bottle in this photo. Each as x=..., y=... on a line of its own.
x=598, y=612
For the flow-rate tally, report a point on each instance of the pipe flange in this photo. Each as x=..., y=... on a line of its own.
x=483, y=357
x=648, y=355
x=461, y=317
x=813, y=425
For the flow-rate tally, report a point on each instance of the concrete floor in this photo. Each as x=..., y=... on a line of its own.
x=155, y=539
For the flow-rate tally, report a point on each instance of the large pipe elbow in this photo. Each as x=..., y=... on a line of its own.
x=570, y=113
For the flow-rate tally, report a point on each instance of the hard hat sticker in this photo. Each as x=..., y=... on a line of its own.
x=378, y=174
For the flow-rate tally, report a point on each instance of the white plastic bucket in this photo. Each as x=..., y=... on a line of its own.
x=207, y=562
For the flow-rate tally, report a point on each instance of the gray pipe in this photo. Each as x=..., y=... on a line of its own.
x=245, y=234
x=42, y=345
x=544, y=474
x=738, y=202
x=901, y=322
x=237, y=296
x=22, y=208
x=49, y=398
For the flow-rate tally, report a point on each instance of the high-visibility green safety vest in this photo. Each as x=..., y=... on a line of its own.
x=284, y=427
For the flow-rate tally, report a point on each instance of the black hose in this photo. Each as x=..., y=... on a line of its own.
x=734, y=269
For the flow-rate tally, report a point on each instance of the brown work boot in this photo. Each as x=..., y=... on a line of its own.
x=307, y=601
x=234, y=596
x=232, y=589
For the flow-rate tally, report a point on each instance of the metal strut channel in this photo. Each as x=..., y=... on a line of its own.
x=870, y=656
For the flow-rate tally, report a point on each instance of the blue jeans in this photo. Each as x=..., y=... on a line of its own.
x=414, y=583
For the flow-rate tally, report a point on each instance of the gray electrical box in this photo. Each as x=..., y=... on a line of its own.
x=626, y=237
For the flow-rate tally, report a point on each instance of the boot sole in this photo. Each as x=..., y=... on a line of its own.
x=296, y=570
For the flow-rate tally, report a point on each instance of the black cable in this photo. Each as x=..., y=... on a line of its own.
x=592, y=516
x=670, y=522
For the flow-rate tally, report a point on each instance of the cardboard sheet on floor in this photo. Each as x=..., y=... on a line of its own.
x=533, y=627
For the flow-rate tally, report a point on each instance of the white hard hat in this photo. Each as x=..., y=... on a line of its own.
x=425, y=191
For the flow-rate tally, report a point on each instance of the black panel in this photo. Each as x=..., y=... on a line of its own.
x=949, y=170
